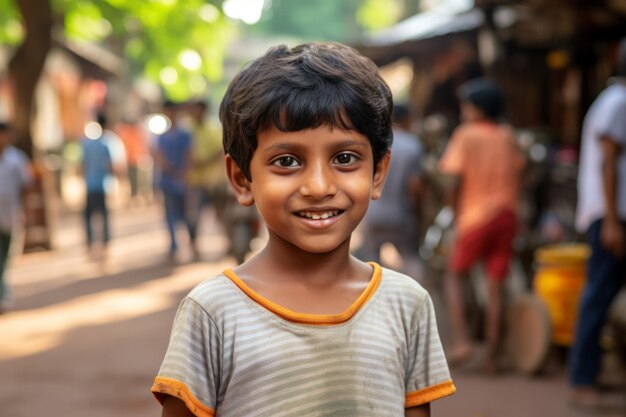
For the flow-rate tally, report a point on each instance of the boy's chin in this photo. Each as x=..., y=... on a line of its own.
x=317, y=246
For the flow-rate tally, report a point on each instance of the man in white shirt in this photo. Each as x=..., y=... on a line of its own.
x=601, y=213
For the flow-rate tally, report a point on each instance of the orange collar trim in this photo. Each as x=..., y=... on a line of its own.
x=303, y=318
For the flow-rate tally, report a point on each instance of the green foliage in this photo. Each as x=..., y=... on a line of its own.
x=150, y=35
x=11, y=31
x=379, y=14
x=324, y=20
x=343, y=21
x=153, y=35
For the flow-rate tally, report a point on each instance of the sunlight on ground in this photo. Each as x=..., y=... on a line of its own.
x=42, y=329
x=124, y=254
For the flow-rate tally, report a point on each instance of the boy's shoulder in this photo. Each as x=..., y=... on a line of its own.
x=214, y=293
x=209, y=285
x=475, y=132
x=398, y=284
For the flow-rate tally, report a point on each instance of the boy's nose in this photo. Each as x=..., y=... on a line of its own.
x=319, y=183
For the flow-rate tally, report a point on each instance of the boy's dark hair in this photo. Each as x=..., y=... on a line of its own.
x=305, y=87
x=169, y=105
x=204, y=105
x=102, y=120
x=485, y=95
x=4, y=127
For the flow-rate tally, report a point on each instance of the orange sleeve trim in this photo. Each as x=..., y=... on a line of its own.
x=167, y=386
x=429, y=394
x=319, y=319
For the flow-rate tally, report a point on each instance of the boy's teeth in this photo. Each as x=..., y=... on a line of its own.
x=318, y=216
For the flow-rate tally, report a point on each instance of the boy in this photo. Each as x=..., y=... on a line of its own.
x=483, y=157
x=303, y=328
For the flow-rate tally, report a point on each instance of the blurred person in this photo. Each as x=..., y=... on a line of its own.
x=97, y=169
x=205, y=178
x=15, y=176
x=394, y=217
x=117, y=152
x=486, y=165
x=601, y=213
x=304, y=328
x=171, y=158
x=135, y=141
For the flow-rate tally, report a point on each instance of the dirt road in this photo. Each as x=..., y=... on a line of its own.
x=86, y=338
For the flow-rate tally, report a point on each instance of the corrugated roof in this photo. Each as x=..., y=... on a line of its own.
x=429, y=24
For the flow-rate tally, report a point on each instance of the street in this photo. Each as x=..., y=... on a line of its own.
x=86, y=337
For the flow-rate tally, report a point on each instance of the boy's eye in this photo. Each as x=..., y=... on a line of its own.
x=286, y=162
x=345, y=158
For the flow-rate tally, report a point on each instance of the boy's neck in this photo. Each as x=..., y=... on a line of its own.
x=307, y=283
x=281, y=260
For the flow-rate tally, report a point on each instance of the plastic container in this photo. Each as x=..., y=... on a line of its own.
x=559, y=279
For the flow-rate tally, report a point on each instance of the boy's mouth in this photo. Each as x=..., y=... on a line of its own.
x=319, y=215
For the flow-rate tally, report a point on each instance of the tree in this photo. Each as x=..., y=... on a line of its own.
x=177, y=43
x=27, y=63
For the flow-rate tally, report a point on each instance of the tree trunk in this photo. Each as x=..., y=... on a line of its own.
x=27, y=64
x=25, y=69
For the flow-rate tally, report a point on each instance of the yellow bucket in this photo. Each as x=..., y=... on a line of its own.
x=558, y=282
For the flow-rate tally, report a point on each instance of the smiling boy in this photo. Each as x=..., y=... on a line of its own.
x=303, y=328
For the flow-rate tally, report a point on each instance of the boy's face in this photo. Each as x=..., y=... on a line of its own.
x=311, y=187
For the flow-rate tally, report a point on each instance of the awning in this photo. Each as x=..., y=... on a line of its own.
x=426, y=25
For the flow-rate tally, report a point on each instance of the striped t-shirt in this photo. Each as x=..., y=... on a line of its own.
x=233, y=353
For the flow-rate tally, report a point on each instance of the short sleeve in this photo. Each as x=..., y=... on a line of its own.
x=191, y=368
x=611, y=121
x=453, y=159
x=427, y=373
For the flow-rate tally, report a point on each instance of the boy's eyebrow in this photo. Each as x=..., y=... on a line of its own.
x=287, y=146
x=352, y=142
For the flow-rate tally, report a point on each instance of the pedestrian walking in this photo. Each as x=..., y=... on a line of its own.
x=205, y=178
x=303, y=327
x=393, y=218
x=171, y=158
x=483, y=158
x=15, y=176
x=135, y=141
x=97, y=169
x=601, y=214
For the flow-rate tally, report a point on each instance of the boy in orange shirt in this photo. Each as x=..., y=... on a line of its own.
x=483, y=157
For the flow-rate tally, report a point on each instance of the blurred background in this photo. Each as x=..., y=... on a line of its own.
x=85, y=334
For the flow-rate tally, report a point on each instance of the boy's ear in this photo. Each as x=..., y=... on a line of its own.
x=238, y=182
x=380, y=175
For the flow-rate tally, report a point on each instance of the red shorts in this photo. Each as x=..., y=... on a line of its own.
x=490, y=242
